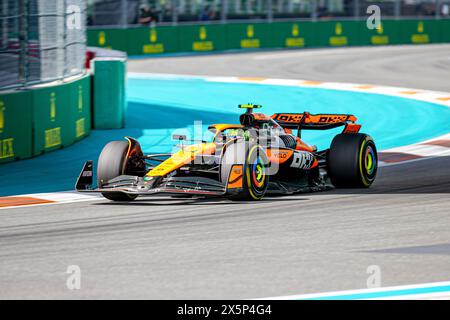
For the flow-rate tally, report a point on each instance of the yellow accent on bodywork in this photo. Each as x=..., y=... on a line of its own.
x=181, y=158
x=223, y=126
x=250, y=106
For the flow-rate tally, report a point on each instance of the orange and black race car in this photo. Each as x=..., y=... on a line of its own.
x=245, y=161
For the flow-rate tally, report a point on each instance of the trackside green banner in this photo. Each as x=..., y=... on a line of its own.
x=110, y=38
x=80, y=100
x=444, y=31
x=338, y=33
x=61, y=115
x=294, y=35
x=249, y=36
x=420, y=31
x=153, y=41
x=235, y=36
x=202, y=38
x=38, y=120
x=15, y=126
x=388, y=32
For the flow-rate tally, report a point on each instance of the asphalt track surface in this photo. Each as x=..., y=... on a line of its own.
x=420, y=67
x=173, y=248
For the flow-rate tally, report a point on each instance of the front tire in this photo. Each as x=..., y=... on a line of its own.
x=255, y=174
x=111, y=164
x=352, y=161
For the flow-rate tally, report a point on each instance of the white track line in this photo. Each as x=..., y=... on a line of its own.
x=435, y=290
x=61, y=197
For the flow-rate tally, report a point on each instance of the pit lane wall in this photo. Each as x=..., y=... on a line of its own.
x=232, y=36
x=43, y=119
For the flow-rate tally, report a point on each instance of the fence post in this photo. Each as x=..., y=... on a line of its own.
x=23, y=40
x=124, y=15
x=224, y=10
x=397, y=10
x=314, y=10
x=437, y=10
x=5, y=25
x=356, y=9
x=269, y=11
x=64, y=52
x=174, y=12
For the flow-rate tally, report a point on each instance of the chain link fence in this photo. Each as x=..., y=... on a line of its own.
x=149, y=12
x=41, y=41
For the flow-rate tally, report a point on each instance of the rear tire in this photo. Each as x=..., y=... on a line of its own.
x=111, y=164
x=352, y=161
x=255, y=169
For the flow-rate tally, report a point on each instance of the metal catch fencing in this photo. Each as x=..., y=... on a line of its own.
x=125, y=13
x=41, y=41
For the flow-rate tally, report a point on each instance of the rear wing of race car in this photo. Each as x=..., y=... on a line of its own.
x=309, y=121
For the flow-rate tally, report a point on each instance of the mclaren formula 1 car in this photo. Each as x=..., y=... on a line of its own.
x=261, y=155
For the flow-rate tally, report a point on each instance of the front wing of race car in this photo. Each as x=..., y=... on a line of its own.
x=134, y=185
